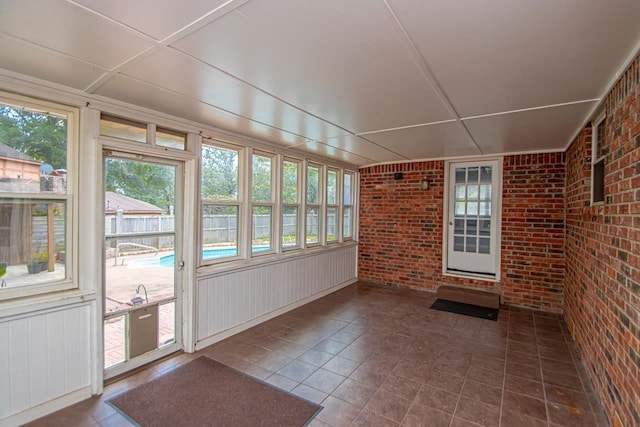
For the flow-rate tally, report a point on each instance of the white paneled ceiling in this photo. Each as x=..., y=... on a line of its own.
x=359, y=81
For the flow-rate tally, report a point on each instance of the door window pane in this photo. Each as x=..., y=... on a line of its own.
x=485, y=175
x=460, y=176
x=471, y=244
x=472, y=192
x=461, y=192
x=485, y=192
x=459, y=226
x=485, y=227
x=472, y=175
x=460, y=208
x=485, y=209
x=472, y=226
x=472, y=208
x=484, y=246
x=458, y=244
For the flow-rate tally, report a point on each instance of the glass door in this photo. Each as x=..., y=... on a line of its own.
x=473, y=217
x=142, y=260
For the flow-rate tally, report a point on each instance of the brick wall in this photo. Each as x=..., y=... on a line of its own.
x=602, y=285
x=401, y=229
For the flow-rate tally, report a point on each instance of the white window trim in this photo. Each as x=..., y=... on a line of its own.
x=272, y=204
x=337, y=206
x=445, y=218
x=344, y=206
x=320, y=205
x=242, y=216
x=298, y=205
x=70, y=282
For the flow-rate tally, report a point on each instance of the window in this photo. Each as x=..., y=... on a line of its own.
x=262, y=203
x=347, y=208
x=598, y=155
x=314, y=204
x=290, y=203
x=332, y=221
x=117, y=127
x=221, y=202
x=36, y=196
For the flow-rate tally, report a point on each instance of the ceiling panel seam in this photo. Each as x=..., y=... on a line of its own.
x=277, y=98
x=425, y=69
x=407, y=127
x=524, y=110
x=188, y=29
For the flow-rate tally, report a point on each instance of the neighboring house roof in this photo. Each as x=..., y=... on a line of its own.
x=129, y=205
x=11, y=153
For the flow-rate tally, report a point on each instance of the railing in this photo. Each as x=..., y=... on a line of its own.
x=115, y=260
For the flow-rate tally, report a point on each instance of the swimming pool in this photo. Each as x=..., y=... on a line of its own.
x=169, y=260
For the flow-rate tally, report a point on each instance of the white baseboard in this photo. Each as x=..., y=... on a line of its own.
x=212, y=339
x=46, y=408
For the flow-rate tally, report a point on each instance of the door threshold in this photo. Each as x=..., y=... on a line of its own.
x=139, y=369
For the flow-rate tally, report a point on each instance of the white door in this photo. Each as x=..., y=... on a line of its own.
x=473, y=217
x=142, y=264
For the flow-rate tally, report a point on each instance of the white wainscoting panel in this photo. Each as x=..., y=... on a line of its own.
x=226, y=300
x=43, y=356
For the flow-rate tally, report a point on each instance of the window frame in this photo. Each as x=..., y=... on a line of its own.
x=270, y=204
x=597, y=162
x=68, y=199
x=351, y=174
x=239, y=203
x=297, y=205
x=338, y=223
x=319, y=205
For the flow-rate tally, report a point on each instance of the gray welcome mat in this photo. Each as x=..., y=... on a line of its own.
x=207, y=393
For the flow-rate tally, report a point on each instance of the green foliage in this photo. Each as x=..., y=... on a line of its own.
x=38, y=135
x=149, y=182
x=261, y=179
x=290, y=182
x=313, y=183
x=332, y=187
x=219, y=176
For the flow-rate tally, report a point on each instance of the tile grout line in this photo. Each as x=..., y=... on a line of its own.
x=544, y=389
x=504, y=370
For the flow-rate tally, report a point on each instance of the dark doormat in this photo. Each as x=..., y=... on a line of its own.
x=207, y=393
x=466, y=309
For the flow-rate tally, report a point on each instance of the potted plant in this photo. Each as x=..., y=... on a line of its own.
x=33, y=266
x=43, y=260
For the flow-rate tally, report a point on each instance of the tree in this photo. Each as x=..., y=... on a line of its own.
x=149, y=182
x=290, y=182
x=38, y=135
x=219, y=175
x=261, y=179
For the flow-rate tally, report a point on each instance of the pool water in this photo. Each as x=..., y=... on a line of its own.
x=169, y=260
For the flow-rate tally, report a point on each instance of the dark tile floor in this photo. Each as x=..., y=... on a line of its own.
x=377, y=356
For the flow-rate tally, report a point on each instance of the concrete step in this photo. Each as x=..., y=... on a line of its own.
x=483, y=298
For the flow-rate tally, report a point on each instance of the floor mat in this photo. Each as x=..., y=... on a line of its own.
x=207, y=393
x=466, y=309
